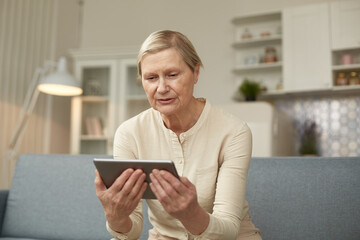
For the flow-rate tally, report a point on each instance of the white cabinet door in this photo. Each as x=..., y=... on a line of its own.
x=345, y=20
x=306, y=43
x=92, y=114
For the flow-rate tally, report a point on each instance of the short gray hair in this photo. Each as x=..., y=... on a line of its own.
x=165, y=39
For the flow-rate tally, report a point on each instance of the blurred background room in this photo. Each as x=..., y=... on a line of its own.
x=304, y=56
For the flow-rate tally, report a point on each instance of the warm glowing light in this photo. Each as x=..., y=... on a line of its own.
x=59, y=90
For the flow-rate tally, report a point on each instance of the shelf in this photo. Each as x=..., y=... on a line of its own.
x=93, y=138
x=260, y=41
x=94, y=98
x=260, y=66
x=258, y=17
x=338, y=90
x=337, y=50
x=273, y=93
x=346, y=88
x=346, y=67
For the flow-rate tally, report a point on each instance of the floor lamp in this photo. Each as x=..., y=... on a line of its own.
x=45, y=80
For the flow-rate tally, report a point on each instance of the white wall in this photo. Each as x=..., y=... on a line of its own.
x=67, y=36
x=113, y=23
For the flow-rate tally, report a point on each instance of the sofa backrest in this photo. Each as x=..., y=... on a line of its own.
x=53, y=197
x=305, y=198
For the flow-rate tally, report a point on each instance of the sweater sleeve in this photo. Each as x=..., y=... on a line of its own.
x=230, y=188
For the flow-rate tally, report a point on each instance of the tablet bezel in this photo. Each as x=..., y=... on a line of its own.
x=110, y=169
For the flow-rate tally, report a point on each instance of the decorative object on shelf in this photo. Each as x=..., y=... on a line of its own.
x=270, y=55
x=93, y=88
x=265, y=34
x=251, y=60
x=250, y=89
x=354, y=78
x=94, y=126
x=308, y=139
x=246, y=34
x=341, y=79
x=357, y=59
x=280, y=85
x=347, y=59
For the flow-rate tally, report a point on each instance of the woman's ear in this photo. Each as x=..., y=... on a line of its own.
x=196, y=73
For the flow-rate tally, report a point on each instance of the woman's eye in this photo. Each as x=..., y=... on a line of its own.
x=150, y=78
x=173, y=74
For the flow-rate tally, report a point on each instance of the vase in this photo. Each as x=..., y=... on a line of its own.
x=250, y=98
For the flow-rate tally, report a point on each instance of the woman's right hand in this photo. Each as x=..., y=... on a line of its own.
x=121, y=199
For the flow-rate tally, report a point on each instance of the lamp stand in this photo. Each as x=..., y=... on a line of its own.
x=32, y=95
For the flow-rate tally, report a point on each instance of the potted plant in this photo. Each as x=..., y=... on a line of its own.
x=308, y=140
x=249, y=89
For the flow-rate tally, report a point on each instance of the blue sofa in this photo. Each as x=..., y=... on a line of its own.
x=52, y=197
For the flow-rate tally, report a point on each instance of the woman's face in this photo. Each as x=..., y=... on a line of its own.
x=168, y=81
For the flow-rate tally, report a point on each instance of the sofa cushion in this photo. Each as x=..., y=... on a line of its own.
x=10, y=238
x=305, y=198
x=53, y=197
x=3, y=198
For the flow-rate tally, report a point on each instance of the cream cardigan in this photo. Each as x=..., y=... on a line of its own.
x=214, y=155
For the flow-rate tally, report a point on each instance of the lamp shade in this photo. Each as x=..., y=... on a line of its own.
x=60, y=82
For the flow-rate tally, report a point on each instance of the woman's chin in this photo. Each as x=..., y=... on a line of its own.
x=166, y=110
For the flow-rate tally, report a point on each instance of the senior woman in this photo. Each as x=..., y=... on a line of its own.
x=211, y=150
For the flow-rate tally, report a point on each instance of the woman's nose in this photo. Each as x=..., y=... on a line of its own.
x=162, y=87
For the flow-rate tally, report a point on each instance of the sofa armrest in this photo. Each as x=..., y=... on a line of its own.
x=3, y=200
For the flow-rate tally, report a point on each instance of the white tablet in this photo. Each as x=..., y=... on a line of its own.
x=110, y=169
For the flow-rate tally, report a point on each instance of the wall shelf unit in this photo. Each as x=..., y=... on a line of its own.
x=307, y=62
x=111, y=95
x=346, y=61
x=258, y=48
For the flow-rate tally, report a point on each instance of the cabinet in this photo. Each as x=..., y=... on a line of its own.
x=258, y=49
x=307, y=48
x=345, y=16
x=111, y=95
x=345, y=43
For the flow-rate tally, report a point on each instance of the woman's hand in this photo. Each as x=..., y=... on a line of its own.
x=179, y=199
x=121, y=199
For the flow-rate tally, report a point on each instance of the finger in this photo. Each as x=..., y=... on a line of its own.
x=138, y=185
x=99, y=185
x=156, y=187
x=142, y=191
x=122, y=179
x=130, y=184
x=155, y=190
x=168, y=176
x=165, y=187
x=173, y=181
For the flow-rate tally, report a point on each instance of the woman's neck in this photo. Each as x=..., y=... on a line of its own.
x=182, y=122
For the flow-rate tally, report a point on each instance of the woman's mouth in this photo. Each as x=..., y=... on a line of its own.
x=166, y=100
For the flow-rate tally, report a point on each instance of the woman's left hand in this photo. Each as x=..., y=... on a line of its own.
x=179, y=199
